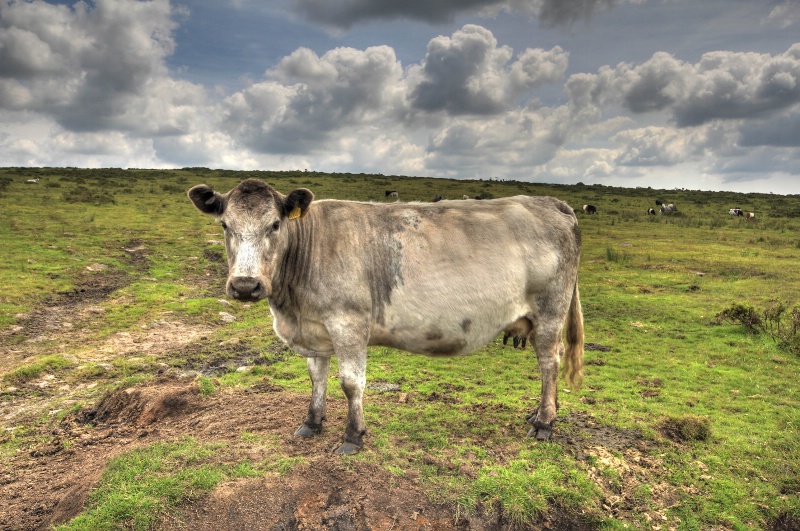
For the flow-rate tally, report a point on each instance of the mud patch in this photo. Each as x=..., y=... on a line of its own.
x=623, y=464
x=326, y=495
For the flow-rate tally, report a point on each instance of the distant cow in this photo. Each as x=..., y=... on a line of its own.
x=590, y=209
x=342, y=275
x=736, y=211
x=465, y=196
x=392, y=194
x=659, y=202
x=32, y=181
x=436, y=199
x=651, y=212
x=668, y=209
x=749, y=216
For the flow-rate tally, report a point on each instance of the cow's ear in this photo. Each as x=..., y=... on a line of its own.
x=297, y=203
x=207, y=200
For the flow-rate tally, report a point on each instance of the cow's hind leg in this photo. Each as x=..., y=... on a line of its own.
x=549, y=350
x=318, y=368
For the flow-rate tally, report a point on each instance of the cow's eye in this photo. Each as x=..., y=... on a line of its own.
x=276, y=226
x=224, y=225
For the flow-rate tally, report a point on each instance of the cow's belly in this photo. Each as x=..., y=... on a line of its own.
x=457, y=325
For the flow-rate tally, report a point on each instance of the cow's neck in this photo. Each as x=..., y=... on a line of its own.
x=295, y=264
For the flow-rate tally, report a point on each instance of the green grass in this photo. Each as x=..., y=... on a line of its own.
x=137, y=486
x=700, y=391
x=31, y=371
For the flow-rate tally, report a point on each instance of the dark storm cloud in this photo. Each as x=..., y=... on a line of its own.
x=782, y=131
x=344, y=14
x=564, y=13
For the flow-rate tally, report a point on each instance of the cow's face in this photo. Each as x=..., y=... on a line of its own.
x=254, y=217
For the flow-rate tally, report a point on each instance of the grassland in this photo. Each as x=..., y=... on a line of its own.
x=684, y=422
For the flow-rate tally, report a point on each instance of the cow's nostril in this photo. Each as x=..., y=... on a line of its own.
x=258, y=291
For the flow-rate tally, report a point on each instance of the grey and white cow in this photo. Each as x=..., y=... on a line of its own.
x=433, y=278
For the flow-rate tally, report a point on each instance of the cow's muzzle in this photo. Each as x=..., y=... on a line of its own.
x=246, y=289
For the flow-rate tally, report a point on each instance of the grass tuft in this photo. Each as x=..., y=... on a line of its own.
x=687, y=428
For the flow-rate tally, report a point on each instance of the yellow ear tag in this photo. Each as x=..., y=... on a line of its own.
x=295, y=213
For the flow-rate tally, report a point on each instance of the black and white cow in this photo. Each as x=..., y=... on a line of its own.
x=589, y=209
x=342, y=275
x=736, y=211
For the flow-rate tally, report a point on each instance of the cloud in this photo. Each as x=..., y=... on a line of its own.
x=93, y=67
x=721, y=86
x=784, y=15
x=306, y=98
x=469, y=74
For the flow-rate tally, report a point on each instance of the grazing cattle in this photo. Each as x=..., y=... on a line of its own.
x=736, y=211
x=590, y=209
x=465, y=196
x=749, y=216
x=342, y=275
x=392, y=194
x=436, y=199
x=668, y=209
x=32, y=181
x=651, y=212
x=659, y=202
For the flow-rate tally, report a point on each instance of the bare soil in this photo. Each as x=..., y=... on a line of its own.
x=49, y=483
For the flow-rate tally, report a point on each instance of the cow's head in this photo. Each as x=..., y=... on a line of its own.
x=254, y=217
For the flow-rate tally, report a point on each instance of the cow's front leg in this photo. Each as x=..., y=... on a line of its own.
x=549, y=349
x=352, y=375
x=318, y=371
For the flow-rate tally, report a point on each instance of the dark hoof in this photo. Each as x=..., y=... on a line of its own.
x=541, y=434
x=348, y=448
x=305, y=432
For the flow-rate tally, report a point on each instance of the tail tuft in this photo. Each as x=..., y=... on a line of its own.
x=573, y=355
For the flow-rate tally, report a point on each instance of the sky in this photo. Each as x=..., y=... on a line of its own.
x=635, y=93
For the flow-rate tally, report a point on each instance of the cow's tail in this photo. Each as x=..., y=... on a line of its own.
x=573, y=355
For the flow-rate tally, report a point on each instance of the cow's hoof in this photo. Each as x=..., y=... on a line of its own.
x=348, y=448
x=542, y=433
x=305, y=432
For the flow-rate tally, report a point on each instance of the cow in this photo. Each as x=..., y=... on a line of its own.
x=340, y=276
x=651, y=212
x=392, y=194
x=465, y=197
x=736, y=211
x=436, y=198
x=32, y=181
x=668, y=209
x=659, y=202
x=749, y=216
x=590, y=209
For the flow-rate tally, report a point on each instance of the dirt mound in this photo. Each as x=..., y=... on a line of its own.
x=144, y=406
